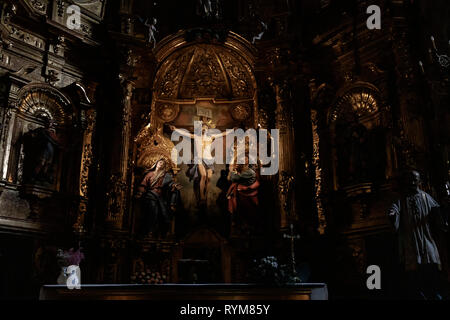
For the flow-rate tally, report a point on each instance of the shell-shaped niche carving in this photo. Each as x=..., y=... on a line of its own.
x=359, y=101
x=44, y=102
x=204, y=70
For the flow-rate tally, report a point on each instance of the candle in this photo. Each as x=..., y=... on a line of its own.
x=421, y=67
x=431, y=55
x=434, y=44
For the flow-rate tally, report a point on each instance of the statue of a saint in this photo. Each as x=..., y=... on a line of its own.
x=243, y=193
x=40, y=149
x=352, y=152
x=160, y=195
x=415, y=216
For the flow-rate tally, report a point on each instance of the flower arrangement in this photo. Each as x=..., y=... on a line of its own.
x=66, y=259
x=268, y=271
x=70, y=257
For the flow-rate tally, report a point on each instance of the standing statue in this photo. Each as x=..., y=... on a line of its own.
x=352, y=152
x=151, y=31
x=160, y=195
x=243, y=193
x=416, y=217
x=40, y=148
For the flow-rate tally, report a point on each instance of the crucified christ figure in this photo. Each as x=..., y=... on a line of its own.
x=201, y=172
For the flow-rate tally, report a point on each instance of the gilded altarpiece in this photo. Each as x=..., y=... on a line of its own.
x=211, y=82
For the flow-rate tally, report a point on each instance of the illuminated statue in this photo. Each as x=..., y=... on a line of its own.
x=160, y=195
x=151, y=31
x=201, y=173
x=243, y=193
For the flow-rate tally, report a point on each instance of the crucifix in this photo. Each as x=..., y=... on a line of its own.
x=293, y=237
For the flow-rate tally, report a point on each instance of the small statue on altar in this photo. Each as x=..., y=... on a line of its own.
x=160, y=196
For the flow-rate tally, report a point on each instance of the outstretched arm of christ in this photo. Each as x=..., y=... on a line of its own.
x=183, y=133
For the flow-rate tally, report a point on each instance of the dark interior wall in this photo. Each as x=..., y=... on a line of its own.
x=16, y=265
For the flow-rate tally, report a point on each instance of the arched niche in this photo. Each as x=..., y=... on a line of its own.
x=39, y=122
x=361, y=150
x=197, y=80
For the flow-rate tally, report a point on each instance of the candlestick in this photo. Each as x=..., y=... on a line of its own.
x=434, y=43
x=421, y=67
x=430, y=53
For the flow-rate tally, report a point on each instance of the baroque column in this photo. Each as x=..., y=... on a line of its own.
x=284, y=119
x=117, y=186
x=85, y=167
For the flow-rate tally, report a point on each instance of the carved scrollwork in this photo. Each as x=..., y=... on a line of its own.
x=167, y=112
x=86, y=163
x=263, y=118
x=152, y=146
x=239, y=75
x=241, y=112
x=204, y=70
x=359, y=101
x=204, y=76
x=285, y=188
x=318, y=172
x=38, y=6
x=116, y=190
x=168, y=87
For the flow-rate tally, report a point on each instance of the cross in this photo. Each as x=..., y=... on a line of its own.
x=292, y=237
